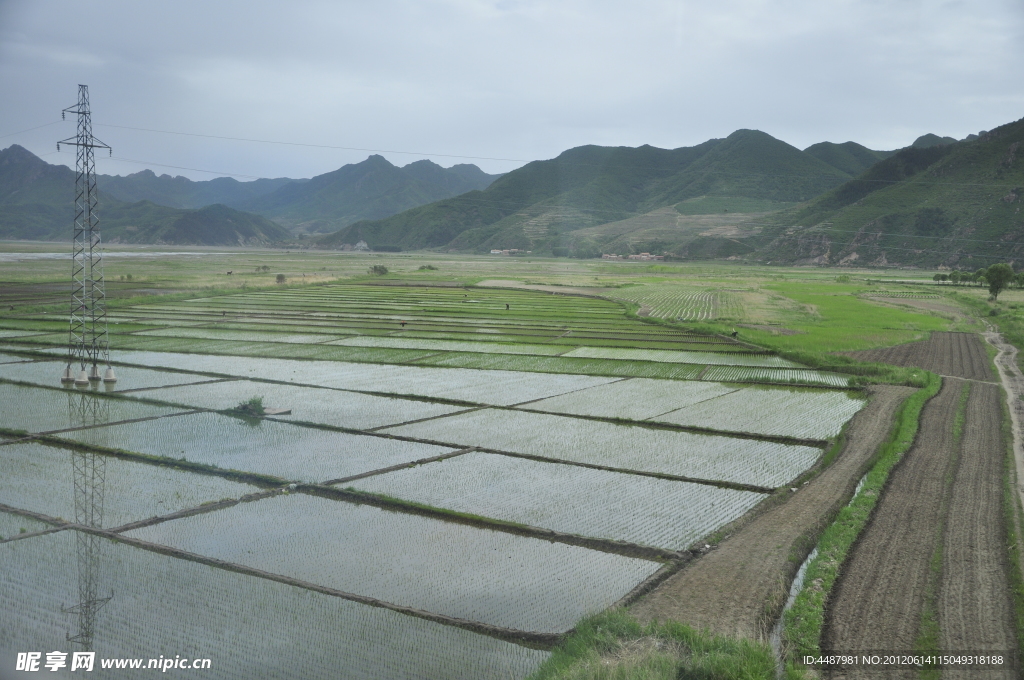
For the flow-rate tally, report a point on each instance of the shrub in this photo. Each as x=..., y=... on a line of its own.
x=281, y=278
x=251, y=407
x=378, y=270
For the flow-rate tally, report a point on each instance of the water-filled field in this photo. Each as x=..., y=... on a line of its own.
x=12, y=525
x=699, y=456
x=279, y=584
x=248, y=627
x=35, y=409
x=128, y=377
x=804, y=413
x=309, y=404
x=266, y=447
x=461, y=571
x=568, y=498
x=40, y=478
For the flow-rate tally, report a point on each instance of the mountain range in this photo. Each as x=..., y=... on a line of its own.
x=942, y=204
x=563, y=202
x=144, y=207
x=35, y=203
x=747, y=196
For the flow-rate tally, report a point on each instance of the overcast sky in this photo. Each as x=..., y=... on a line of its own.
x=505, y=80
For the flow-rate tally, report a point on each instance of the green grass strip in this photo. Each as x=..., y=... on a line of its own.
x=615, y=646
x=804, y=620
x=1014, y=526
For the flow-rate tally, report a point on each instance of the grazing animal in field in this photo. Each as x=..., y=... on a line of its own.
x=229, y=273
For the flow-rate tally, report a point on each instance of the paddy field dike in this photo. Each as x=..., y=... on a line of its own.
x=450, y=475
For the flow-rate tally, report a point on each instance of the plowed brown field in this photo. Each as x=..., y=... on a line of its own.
x=960, y=355
x=876, y=604
x=974, y=597
x=738, y=589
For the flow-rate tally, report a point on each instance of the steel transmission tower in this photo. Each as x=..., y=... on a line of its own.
x=90, y=471
x=87, y=339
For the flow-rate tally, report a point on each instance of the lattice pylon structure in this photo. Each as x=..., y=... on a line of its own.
x=88, y=344
x=89, y=474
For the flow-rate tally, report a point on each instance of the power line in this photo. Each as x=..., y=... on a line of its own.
x=20, y=132
x=316, y=146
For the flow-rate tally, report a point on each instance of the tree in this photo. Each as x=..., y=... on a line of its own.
x=979, y=277
x=999, y=277
x=955, y=277
x=281, y=278
x=378, y=270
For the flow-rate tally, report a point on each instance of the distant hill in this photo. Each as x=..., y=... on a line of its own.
x=850, y=157
x=36, y=202
x=372, y=189
x=543, y=204
x=952, y=204
x=929, y=140
x=181, y=192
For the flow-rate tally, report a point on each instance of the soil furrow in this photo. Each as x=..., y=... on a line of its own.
x=738, y=588
x=974, y=596
x=877, y=602
x=961, y=355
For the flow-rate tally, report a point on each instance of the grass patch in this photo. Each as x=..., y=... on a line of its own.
x=804, y=620
x=1014, y=524
x=613, y=645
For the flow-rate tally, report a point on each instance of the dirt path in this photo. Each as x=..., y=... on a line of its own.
x=1013, y=383
x=738, y=589
x=974, y=609
x=959, y=355
x=876, y=604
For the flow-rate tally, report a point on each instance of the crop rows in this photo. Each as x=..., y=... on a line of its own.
x=634, y=398
x=623, y=447
x=502, y=579
x=808, y=414
x=35, y=409
x=261, y=446
x=569, y=498
x=308, y=404
x=250, y=627
x=39, y=478
x=15, y=525
x=704, y=358
x=776, y=375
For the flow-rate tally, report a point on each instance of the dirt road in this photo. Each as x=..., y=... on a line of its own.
x=738, y=589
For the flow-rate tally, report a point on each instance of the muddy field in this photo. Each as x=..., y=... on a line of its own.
x=739, y=587
x=942, y=506
x=974, y=609
x=960, y=355
x=877, y=602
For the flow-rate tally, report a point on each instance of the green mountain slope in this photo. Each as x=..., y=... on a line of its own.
x=372, y=189
x=957, y=205
x=849, y=157
x=36, y=202
x=541, y=204
x=181, y=192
